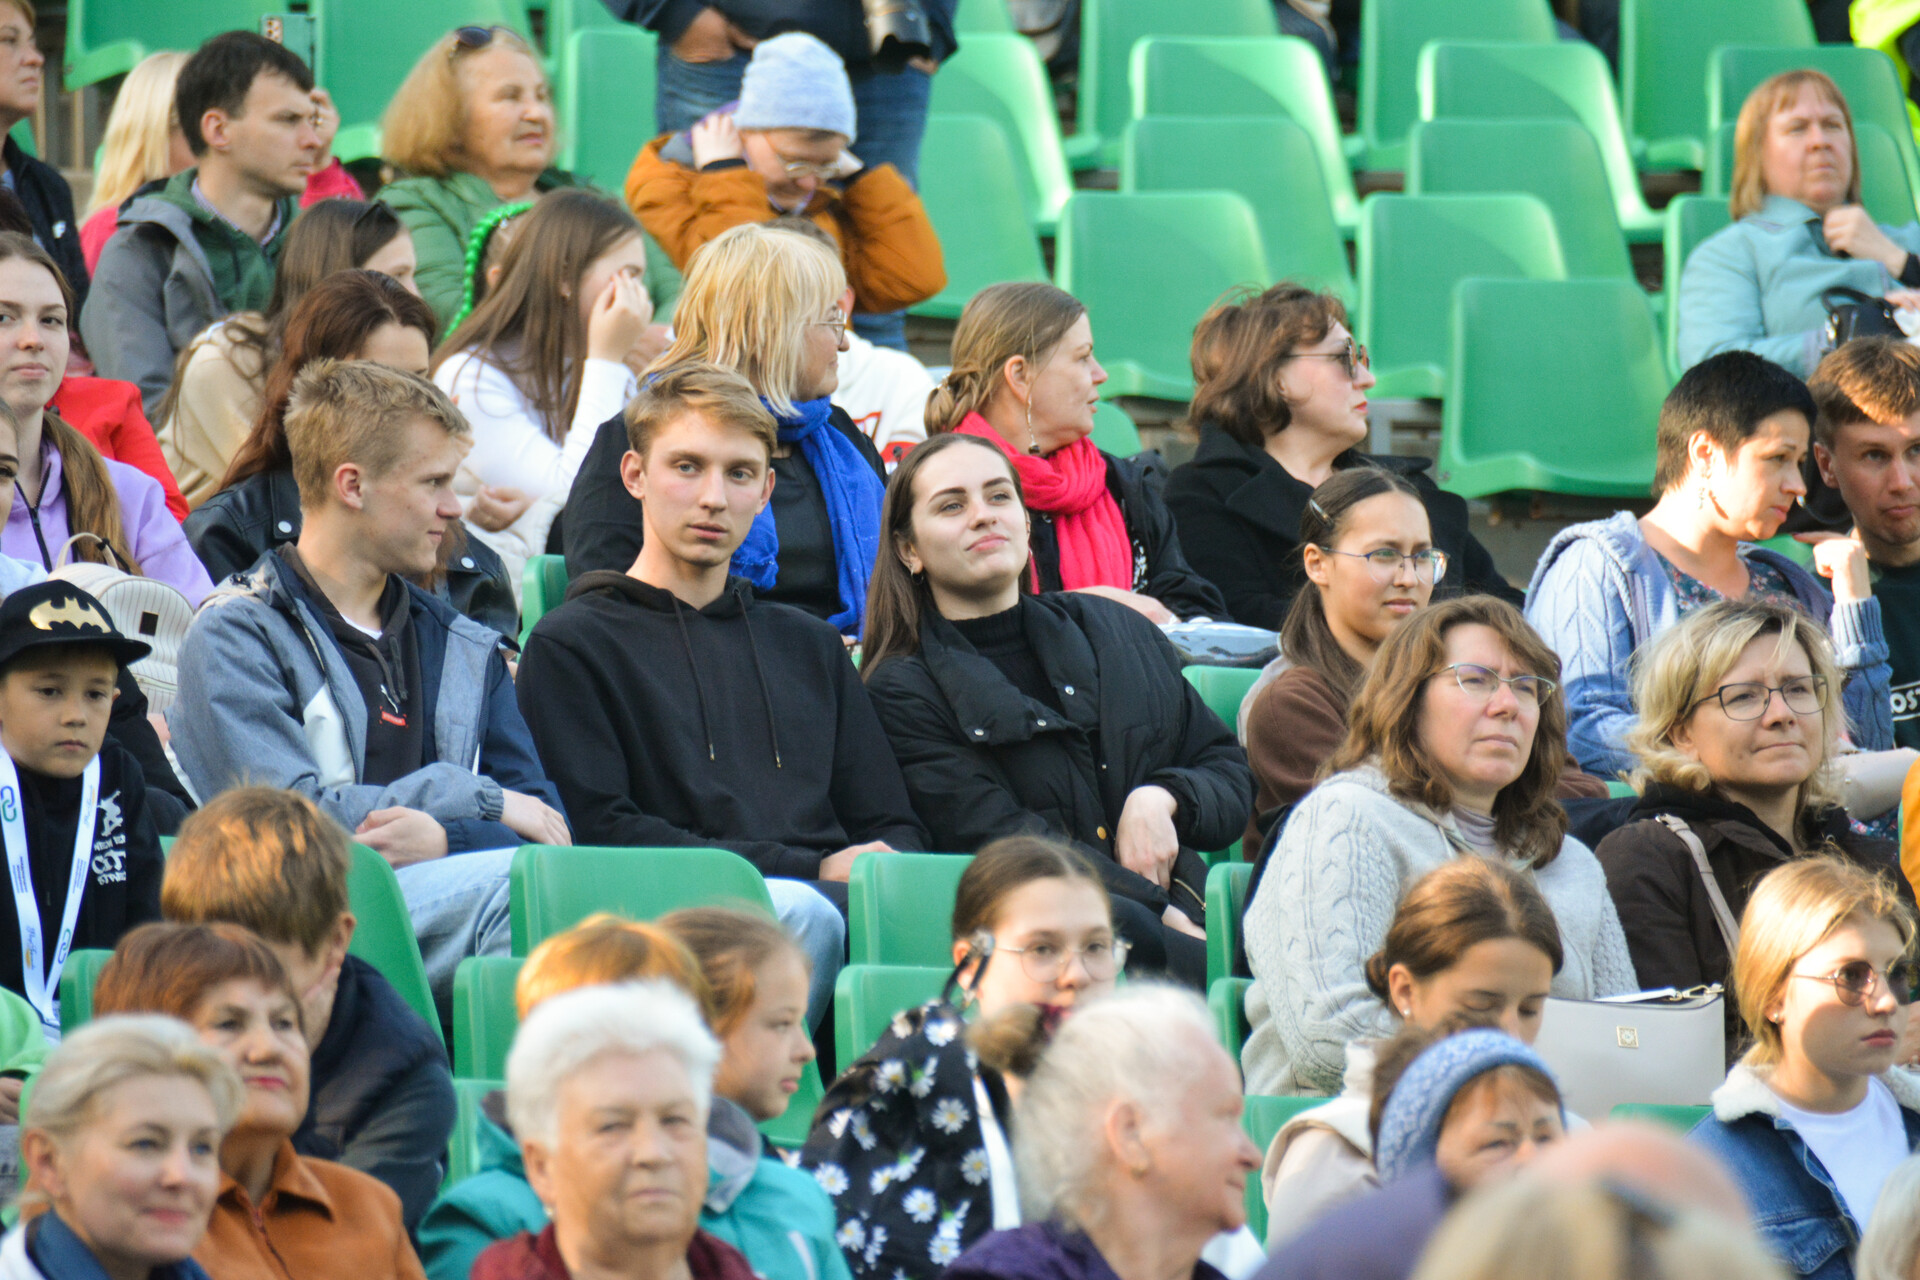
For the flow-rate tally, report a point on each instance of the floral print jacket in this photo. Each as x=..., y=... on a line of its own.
x=897, y=1145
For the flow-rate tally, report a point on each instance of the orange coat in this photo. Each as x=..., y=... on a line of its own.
x=319, y=1221
x=887, y=243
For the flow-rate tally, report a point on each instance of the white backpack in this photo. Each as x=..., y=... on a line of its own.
x=143, y=609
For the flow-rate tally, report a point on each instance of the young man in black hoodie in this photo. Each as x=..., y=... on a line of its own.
x=672, y=708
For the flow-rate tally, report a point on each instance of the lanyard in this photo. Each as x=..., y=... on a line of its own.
x=41, y=975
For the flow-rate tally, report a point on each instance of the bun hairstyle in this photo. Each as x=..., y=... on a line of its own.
x=1000, y=322
x=1305, y=637
x=1456, y=907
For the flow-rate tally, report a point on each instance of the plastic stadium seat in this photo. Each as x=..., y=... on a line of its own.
x=1555, y=385
x=970, y=184
x=463, y=1144
x=1790, y=547
x=1113, y=430
x=1391, y=35
x=77, y=977
x=383, y=931
x=556, y=888
x=1567, y=79
x=1108, y=30
x=107, y=38
x=1002, y=77
x=565, y=17
x=1663, y=65
x=1267, y=159
x=978, y=17
x=900, y=908
x=1248, y=76
x=1555, y=160
x=1690, y=219
x=543, y=583
x=1675, y=1117
x=789, y=1129
x=599, y=73
x=1414, y=249
x=1148, y=265
x=866, y=996
x=1226, y=899
x=1224, y=688
x=1262, y=1120
x=484, y=1017
x=1227, y=1001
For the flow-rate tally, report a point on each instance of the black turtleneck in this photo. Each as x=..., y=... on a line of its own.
x=1001, y=638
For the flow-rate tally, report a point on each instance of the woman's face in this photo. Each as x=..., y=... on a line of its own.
x=764, y=1055
x=969, y=531
x=1043, y=925
x=1357, y=601
x=826, y=338
x=1064, y=387
x=1821, y=1031
x=628, y=259
x=1808, y=153
x=395, y=258
x=257, y=1030
x=138, y=1181
x=1506, y=980
x=1751, y=492
x=1198, y=1157
x=398, y=346
x=1480, y=743
x=1773, y=754
x=1325, y=399
x=33, y=336
x=1495, y=1127
x=509, y=109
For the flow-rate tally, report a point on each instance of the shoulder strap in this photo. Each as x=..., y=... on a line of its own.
x=1722, y=914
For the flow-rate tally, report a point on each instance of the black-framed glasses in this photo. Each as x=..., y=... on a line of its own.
x=1481, y=682
x=1353, y=355
x=1748, y=700
x=471, y=39
x=1854, y=981
x=1044, y=962
x=1429, y=563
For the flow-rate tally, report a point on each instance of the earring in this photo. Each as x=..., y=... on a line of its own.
x=1033, y=445
x=1406, y=1011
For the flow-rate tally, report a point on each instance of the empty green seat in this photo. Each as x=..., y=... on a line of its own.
x=463, y=1144
x=1113, y=430
x=1000, y=76
x=1227, y=1001
x=981, y=17
x=599, y=73
x=1555, y=385
x=1663, y=65
x=1226, y=899
x=1267, y=159
x=1568, y=79
x=900, y=908
x=383, y=931
x=77, y=977
x=1262, y=1119
x=1414, y=249
x=1690, y=219
x=484, y=1015
x=555, y=888
x=1248, y=76
x=363, y=49
x=1148, y=265
x=1392, y=33
x=565, y=17
x=970, y=186
x=1674, y=1117
x=543, y=583
x=108, y=38
x=866, y=996
x=1223, y=688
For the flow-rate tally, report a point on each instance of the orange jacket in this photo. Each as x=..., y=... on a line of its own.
x=319, y=1221
x=887, y=244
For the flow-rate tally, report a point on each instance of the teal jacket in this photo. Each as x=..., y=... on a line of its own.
x=778, y=1217
x=1756, y=285
x=441, y=214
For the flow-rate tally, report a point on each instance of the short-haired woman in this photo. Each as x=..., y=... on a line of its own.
x=1737, y=737
x=1811, y=1121
x=1798, y=231
x=1456, y=745
x=122, y=1154
x=1280, y=401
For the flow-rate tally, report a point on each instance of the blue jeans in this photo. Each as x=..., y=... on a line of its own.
x=817, y=925
x=459, y=905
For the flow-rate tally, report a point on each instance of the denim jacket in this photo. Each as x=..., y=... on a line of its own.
x=1797, y=1209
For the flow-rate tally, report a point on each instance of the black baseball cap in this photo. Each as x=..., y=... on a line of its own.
x=56, y=612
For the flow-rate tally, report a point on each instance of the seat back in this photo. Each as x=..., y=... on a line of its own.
x=463, y=1144
x=1674, y=1117
x=1392, y=33
x=600, y=72
x=484, y=1015
x=109, y=37
x=1413, y=250
x=1108, y=30
x=1690, y=219
x=900, y=908
x=1663, y=64
x=1262, y=1120
x=1224, y=688
x=543, y=583
x=363, y=49
x=556, y=888
x=1114, y=432
x=1227, y=1001
x=866, y=996
x=77, y=978
x=383, y=931
x=565, y=18
x=970, y=185
x=1001, y=77
x=1226, y=898
x=982, y=17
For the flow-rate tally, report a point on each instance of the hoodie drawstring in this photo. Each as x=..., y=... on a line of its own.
x=766, y=695
x=699, y=691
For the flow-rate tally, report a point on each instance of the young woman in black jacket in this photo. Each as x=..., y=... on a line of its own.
x=1062, y=714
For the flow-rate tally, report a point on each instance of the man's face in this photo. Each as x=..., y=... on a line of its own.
x=272, y=140
x=1876, y=468
x=406, y=511
x=701, y=484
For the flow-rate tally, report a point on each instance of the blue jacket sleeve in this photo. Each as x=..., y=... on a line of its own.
x=1860, y=647
x=1581, y=617
x=1721, y=308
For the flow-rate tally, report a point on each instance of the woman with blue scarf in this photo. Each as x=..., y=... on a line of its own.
x=764, y=301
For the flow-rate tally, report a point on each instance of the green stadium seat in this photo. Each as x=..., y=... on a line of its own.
x=1664, y=46
x=565, y=17
x=1716, y=179
x=107, y=38
x=1001, y=76
x=77, y=978
x=1114, y=432
x=1224, y=688
x=383, y=931
x=1690, y=219
x=1414, y=249
x=543, y=583
x=970, y=185
x=1262, y=1119
x=900, y=908
x=1227, y=1001
x=598, y=75
x=556, y=888
x=1555, y=160
x=1618, y=790
x=1568, y=79
x=1226, y=899
x=1248, y=76
x=484, y=1015
x=1555, y=385
x=463, y=1144
x=1674, y=1117
x=1148, y=265
x=1392, y=33
x=1790, y=547
x=1267, y=159
x=1108, y=31
x=980, y=17
x=866, y=996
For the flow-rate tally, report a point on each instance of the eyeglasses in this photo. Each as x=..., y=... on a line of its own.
x=1044, y=962
x=1803, y=696
x=1353, y=355
x=1480, y=682
x=810, y=168
x=1429, y=565
x=836, y=319
x=470, y=39
x=1854, y=981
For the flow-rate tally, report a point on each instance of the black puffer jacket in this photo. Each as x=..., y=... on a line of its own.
x=1160, y=569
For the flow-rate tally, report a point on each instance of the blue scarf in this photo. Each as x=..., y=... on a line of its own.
x=853, y=494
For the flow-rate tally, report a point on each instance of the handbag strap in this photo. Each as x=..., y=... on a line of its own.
x=1722, y=914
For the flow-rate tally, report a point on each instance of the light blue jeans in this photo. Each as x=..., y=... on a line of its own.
x=817, y=925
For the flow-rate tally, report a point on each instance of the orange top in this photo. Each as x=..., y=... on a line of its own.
x=319, y=1221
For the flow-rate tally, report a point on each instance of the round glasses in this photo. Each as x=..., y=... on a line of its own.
x=1804, y=696
x=1044, y=962
x=1429, y=565
x=1481, y=683
x=810, y=168
x=1353, y=355
x=1854, y=981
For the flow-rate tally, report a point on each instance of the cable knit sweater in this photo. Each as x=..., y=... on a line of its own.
x=1349, y=851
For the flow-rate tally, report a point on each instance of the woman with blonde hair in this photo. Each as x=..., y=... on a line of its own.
x=1798, y=231
x=766, y=303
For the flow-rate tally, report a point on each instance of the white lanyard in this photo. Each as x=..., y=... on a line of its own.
x=42, y=976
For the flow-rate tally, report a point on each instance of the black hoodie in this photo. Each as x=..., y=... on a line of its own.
x=739, y=726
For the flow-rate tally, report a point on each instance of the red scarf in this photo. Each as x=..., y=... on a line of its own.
x=1070, y=485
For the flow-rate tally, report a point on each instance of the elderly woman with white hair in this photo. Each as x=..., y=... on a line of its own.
x=123, y=1154
x=1890, y=1250
x=608, y=1089
x=1128, y=1148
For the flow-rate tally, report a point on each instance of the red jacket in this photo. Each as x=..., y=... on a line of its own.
x=108, y=413
x=530, y=1257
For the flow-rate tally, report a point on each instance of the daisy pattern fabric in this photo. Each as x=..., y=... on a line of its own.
x=898, y=1147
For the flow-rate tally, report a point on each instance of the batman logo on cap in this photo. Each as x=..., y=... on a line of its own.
x=82, y=615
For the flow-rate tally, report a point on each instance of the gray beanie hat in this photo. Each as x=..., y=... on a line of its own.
x=795, y=82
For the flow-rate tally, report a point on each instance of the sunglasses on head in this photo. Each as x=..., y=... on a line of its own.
x=470, y=39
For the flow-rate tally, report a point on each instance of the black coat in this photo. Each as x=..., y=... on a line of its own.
x=983, y=760
x=840, y=24
x=1160, y=569
x=48, y=200
x=1239, y=513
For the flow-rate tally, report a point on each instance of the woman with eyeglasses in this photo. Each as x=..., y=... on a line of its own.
x=1812, y=1120
x=1063, y=713
x=1456, y=743
x=1737, y=737
x=1280, y=401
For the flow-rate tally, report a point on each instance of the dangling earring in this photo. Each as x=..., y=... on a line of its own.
x=1033, y=444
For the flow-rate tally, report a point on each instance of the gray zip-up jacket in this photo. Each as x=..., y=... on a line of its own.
x=153, y=293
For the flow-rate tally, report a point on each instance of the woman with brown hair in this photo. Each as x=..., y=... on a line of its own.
x=1456, y=743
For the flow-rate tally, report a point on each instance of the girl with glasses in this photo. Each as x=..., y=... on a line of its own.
x=1811, y=1120
x=1737, y=740
x=1456, y=744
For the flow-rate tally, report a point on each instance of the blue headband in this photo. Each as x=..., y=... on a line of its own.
x=1410, y=1122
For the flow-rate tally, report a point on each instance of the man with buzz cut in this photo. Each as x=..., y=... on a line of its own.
x=673, y=708
x=326, y=670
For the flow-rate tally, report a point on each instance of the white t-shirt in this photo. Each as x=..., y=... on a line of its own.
x=1857, y=1148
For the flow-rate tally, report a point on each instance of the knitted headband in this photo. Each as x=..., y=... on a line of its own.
x=477, y=253
x=1410, y=1122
